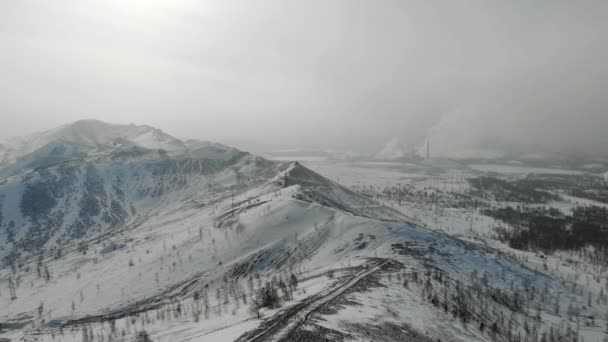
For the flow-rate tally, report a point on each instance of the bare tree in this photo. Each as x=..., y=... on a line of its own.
x=11, y=289
x=143, y=336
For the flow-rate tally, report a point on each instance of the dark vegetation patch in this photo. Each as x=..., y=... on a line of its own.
x=550, y=230
x=408, y=193
x=511, y=191
x=407, y=248
x=583, y=186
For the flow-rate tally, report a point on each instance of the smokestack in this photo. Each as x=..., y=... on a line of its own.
x=428, y=149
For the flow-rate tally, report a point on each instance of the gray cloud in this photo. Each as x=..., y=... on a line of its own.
x=346, y=74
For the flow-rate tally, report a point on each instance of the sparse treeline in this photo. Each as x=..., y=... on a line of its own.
x=427, y=196
x=583, y=186
x=509, y=191
x=512, y=314
x=550, y=230
x=253, y=293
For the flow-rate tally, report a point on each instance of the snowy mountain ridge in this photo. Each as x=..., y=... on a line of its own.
x=122, y=241
x=78, y=139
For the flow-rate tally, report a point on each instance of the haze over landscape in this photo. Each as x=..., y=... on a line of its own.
x=285, y=74
x=298, y=171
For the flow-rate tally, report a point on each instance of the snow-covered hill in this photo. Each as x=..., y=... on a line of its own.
x=183, y=243
x=79, y=139
x=91, y=195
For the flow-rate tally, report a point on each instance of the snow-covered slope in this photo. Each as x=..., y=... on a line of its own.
x=90, y=195
x=234, y=213
x=180, y=244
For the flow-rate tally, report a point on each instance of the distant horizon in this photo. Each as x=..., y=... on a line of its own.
x=407, y=151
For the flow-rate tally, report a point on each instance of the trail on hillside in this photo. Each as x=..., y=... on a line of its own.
x=282, y=324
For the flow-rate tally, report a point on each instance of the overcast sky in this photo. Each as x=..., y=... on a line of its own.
x=343, y=74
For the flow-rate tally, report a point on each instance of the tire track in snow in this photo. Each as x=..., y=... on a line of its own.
x=286, y=321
